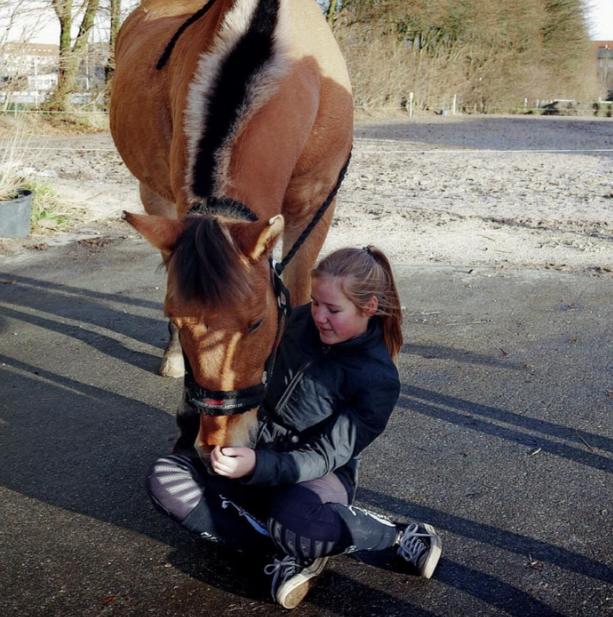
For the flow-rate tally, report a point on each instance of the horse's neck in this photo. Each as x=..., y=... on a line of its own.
x=173, y=8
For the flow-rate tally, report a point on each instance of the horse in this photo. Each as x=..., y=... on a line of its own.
x=236, y=118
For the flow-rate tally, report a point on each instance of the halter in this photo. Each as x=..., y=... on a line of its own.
x=232, y=402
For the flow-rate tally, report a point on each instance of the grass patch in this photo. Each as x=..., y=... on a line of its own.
x=47, y=123
x=48, y=211
x=76, y=122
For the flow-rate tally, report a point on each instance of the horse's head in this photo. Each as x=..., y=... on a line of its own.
x=220, y=297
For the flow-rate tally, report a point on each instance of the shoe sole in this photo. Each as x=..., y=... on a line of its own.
x=290, y=594
x=434, y=553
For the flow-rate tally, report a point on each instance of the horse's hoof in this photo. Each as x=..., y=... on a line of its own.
x=172, y=366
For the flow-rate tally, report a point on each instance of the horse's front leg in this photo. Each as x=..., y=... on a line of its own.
x=172, y=361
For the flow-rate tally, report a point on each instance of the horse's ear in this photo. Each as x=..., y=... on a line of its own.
x=158, y=230
x=266, y=238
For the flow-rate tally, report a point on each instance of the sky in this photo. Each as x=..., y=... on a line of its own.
x=601, y=20
x=40, y=25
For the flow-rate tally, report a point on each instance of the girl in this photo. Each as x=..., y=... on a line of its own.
x=334, y=387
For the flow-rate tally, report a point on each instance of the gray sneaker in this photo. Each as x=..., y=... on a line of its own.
x=421, y=546
x=290, y=581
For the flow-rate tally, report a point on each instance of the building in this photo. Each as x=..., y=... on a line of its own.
x=28, y=59
x=28, y=71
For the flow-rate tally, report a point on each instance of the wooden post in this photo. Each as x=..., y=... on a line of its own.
x=411, y=98
x=454, y=104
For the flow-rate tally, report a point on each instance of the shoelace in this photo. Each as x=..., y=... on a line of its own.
x=411, y=547
x=257, y=525
x=280, y=568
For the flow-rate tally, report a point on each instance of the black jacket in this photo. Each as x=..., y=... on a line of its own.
x=325, y=404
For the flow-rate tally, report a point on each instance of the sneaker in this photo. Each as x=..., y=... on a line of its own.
x=421, y=546
x=292, y=581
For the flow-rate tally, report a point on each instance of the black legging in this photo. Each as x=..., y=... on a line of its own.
x=305, y=520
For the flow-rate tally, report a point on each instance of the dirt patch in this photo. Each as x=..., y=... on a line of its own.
x=491, y=192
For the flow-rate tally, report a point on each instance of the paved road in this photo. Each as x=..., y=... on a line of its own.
x=515, y=133
x=502, y=439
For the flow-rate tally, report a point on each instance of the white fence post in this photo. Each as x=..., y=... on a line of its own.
x=454, y=104
x=411, y=97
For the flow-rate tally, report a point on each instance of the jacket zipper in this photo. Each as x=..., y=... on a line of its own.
x=291, y=387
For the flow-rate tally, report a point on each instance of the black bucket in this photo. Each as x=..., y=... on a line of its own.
x=15, y=215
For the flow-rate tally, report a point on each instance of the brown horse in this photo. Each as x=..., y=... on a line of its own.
x=236, y=119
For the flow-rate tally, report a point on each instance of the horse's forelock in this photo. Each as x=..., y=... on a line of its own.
x=206, y=265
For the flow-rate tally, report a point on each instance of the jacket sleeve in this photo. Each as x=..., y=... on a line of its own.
x=332, y=443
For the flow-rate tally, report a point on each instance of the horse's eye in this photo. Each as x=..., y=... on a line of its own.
x=254, y=326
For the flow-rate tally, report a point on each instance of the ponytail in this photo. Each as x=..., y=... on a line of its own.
x=390, y=308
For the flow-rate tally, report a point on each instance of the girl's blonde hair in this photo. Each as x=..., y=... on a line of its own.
x=365, y=273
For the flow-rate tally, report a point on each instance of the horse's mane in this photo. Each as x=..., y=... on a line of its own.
x=206, y=265
x=234, y=78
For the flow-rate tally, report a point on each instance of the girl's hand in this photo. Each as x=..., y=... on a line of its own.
x=232, y=462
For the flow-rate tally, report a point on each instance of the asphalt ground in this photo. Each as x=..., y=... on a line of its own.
x=502, y=439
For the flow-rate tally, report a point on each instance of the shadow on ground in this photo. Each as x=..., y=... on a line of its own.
x=98, y=445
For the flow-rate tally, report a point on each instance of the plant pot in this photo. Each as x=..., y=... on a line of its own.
x=15, y=215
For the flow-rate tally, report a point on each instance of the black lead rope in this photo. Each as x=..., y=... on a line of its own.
x=316, y=218
x=177, y=35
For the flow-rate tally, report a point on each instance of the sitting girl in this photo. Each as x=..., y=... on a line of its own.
x=334, y=387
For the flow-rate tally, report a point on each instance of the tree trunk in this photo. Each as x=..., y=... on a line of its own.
x=115, y=20
x=70, y=56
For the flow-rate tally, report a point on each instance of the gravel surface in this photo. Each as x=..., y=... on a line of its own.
x=503, y=192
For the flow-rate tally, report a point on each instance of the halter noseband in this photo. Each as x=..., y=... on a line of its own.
x=231, y=402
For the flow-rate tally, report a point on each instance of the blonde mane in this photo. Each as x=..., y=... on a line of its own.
x=247, y=27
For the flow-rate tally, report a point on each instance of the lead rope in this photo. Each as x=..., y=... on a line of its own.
x=281, y=291
x=279, y=267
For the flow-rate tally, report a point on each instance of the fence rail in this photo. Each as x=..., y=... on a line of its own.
x=448, y=106
x=454, y=105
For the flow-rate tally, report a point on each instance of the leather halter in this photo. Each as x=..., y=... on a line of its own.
x=231, y=402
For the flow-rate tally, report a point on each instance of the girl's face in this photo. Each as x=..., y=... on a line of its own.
x=336, y=317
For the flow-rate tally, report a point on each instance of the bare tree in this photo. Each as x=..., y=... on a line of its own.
x=71, y=52
x=114, y=23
